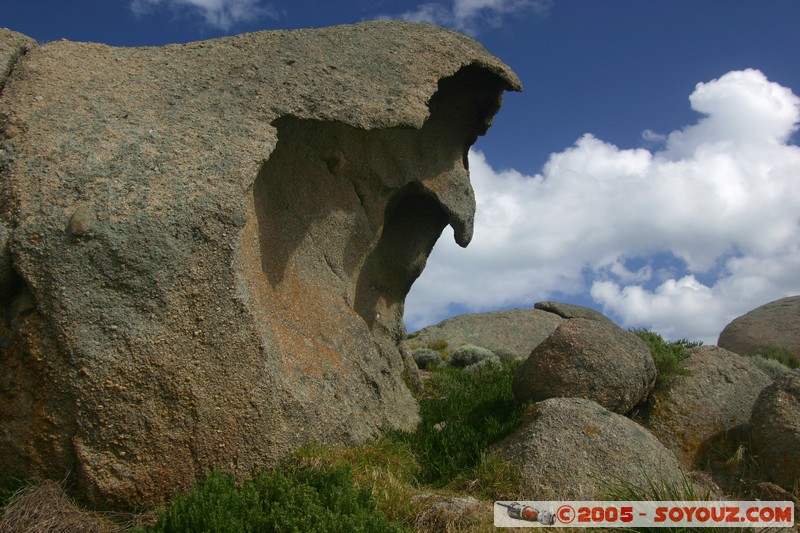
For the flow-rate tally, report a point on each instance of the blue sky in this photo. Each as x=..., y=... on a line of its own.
x=650, y=169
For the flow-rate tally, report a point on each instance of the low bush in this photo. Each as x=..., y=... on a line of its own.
x=440, y=345
x=781, y=355
x=426, y=359
x=468, y=354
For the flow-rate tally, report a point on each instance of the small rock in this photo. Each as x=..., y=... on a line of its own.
x=78, y=224
x=571, y=311
x=443, y=513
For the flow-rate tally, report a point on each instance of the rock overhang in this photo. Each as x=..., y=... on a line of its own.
x=213, y=241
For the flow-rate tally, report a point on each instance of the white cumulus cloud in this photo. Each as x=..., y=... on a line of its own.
x=467, y=15
x=221, y=14
x=680, y=239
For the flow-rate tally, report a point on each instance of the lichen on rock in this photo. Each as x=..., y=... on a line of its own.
x=211, y=244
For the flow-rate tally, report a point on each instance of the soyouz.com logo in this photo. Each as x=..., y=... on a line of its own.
x=644, y=514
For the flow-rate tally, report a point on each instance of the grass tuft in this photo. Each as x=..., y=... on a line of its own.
x=669, y=357
x=462, y=414
x=660, y=490
x=287, y=498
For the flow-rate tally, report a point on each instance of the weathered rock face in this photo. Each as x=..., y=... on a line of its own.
x=12, y=46
x=775, y=324
x=716, y=398
x=588, y=358
x=212, y=242
x=510, y=334
x=775, y=430
x=572, y=448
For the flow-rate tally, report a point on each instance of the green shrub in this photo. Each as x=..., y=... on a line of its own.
x=426, y=359
x=668, y=356
x=782, y=355
x=283, y=499
x=462, y=414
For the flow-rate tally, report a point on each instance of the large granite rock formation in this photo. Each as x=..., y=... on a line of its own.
x=511, y=334
x=774, y=324
x=212, y=242
x=716, y=399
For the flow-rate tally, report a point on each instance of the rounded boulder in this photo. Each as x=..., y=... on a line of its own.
x=773, y=325
x=591, y=359
x=573, y=448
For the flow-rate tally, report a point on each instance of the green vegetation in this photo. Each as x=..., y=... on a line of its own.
x=655, y=490
x=426, y=358
x=782, y=355
x=668, y=356
x=388, y=484
x=439, y=345
x=462, y=413
x=334, y=488
x=9, y=487
x=288, y=498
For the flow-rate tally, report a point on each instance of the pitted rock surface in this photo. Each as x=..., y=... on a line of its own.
x=574, y=449
x=715, y=399
x=212, y=243
x=775, y=430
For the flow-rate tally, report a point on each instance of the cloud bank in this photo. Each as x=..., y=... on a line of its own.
x=680, y=239
x=468, y=15
x=220, y=14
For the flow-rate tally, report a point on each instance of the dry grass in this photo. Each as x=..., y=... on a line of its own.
x=44, y=507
